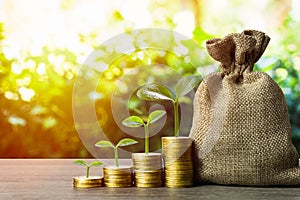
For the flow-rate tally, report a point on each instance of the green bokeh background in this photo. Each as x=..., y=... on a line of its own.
x=36, y=118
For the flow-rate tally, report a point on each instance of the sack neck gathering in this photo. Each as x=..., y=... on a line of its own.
x=238, y=52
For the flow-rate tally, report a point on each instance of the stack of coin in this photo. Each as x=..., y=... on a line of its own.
x=83, y=182
x=177, y=155
x=148, y=169
x=118, y=176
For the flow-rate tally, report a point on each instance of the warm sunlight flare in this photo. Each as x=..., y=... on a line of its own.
x=47, y=48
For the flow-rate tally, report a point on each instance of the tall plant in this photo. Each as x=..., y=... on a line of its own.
x=158, y=92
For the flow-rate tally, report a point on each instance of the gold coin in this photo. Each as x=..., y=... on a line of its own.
x=137, y=182
x=144, y=156
x=178, y=185
x=176, y=140
x=148, y=179
x=117, y=170
x=182, y=177
x=151, y=178
x=118, y=185
x=148, y=176
x=178, y=181
x=118, y=176
x=146, y=162
x=179, y=171
x=172, y=182
x=176, y=151
x=177, y=164
x=83, y=182
x=149, y=185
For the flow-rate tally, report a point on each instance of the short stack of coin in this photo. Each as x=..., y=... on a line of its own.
x=83, y=182
x=148, y=169
x=177, y=155
x=118, y=176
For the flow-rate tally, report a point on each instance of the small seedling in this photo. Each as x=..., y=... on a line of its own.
x=158, y=92
x=88, y=166
x=135, y=121
x=122, y=143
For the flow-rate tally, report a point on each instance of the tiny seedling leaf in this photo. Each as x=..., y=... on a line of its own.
x=133, y=121
x=186, y=84
x=96, y=163
x=155, y=116
x=126, y=142
x=155, y=92
x=80, y=162
x=104, y=143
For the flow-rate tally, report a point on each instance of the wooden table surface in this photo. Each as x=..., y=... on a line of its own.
x=52, y=179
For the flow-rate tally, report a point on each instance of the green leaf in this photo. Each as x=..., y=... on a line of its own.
x=155, y=115
x=200, y=35
x=133, y=121
x=155, y=92
x=126, y=142
x=104, y=143
x=96, y=163
x=80, y=162
x=186, y=84
x=185, y=100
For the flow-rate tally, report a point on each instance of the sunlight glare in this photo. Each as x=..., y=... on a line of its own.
x=30, y=64
x=26, y=94
x=41, y=69
x=24, y=81
x=185, y=22
x=17, y=121
x=11, y=52
x=16, y=68
x=11, y=95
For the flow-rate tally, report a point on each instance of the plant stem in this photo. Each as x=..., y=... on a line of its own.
x=176, y=118
x=116, y=156
x=146, y=138
x=87, y=172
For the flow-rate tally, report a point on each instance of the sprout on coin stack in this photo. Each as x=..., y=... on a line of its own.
x=88, y=181
x=147, y=166
x=117, y=176
x=176, y=150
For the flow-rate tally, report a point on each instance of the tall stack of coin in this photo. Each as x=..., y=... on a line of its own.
x=118, y=176
x=83, y=182
x=177, y=155
x=148, y=169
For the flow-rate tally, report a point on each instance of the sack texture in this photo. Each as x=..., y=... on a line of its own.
x=241, y=130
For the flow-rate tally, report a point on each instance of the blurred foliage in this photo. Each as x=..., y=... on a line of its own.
x=283, y=65
x=36, y=118
x=36, y=105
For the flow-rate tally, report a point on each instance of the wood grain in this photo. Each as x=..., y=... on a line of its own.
x=52, y=179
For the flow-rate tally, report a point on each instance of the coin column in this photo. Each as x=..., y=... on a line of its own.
x=83, y=182
x=118, y=176
x=177, y=156
x=148, y=169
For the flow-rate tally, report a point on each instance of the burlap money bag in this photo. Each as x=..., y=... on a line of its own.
x=241, y=130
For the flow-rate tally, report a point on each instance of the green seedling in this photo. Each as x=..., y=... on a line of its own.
x=122, y=143
x=135, y=121
x=158, y=92
x=88, y=166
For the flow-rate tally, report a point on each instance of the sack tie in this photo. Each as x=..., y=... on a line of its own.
x=238, y=52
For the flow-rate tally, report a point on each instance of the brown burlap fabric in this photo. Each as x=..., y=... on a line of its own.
x=241, y=129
